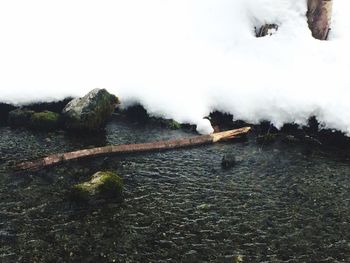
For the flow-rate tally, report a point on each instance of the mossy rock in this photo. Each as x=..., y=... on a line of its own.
x=45, y=120
x=101, y=185
x=20, y=117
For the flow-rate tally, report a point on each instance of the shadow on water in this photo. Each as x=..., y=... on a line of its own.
x=280, y=203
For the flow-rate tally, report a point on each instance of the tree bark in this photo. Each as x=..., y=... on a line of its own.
x=131, y=148
x=319, y=17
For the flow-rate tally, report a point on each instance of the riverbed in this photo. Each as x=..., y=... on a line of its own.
x=280, y=203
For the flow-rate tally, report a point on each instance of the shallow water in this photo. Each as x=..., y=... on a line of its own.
x=280, y=203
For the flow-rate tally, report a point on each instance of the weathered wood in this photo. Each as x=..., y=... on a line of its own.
x=131, y=148
x=319, y=17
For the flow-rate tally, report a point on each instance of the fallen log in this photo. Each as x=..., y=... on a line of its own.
x=131, y=148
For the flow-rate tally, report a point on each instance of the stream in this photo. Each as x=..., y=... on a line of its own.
x=280, y=203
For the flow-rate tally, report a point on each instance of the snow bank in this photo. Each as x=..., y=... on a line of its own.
x=180, y=58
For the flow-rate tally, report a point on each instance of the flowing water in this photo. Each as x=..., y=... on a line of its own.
x=280, y=203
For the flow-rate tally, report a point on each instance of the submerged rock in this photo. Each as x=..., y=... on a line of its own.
x=91, y=111
x=46, y=120
x=20, y=117
x=228, y=161
x=102, y=184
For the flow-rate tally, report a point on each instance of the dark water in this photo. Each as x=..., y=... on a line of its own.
x=281, y=203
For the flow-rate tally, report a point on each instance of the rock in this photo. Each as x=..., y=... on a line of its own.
x=46, y=120
x=228, y=161
x=102, y=184
x=20, y=117
x=91, y=111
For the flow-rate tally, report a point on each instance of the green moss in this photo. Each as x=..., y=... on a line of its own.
x=174, y=125
x=45, y=120
x=102, y=184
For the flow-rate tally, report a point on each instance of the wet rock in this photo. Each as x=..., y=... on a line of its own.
x=102, y=184
x=20, y=117
x=228, y=161
x=46, y=120
x=91, y=111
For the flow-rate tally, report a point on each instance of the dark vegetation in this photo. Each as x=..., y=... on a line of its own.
x=264, y=132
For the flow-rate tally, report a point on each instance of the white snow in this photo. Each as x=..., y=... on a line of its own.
x=180, y=58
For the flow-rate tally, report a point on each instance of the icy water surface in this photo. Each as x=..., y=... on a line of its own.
x=281, y=203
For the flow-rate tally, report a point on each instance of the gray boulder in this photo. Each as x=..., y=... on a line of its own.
x=91, y=111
